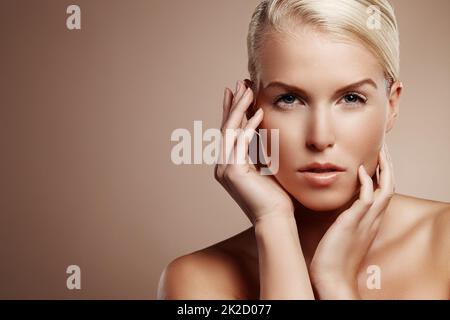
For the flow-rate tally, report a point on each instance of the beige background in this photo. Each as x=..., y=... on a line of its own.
x=85, y=123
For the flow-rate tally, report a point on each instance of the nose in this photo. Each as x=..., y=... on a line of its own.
x=320, y=130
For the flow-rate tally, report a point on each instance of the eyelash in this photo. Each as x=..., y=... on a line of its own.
x=281, y=97
x=361, y=100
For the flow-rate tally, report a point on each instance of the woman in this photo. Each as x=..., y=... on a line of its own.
x=327, y=224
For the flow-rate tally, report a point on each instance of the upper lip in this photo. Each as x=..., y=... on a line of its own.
x=325, y=166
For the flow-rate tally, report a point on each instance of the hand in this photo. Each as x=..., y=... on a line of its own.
x=340, y=252
x=258, y=195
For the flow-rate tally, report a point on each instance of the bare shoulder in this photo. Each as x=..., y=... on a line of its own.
x=423, y=223
x=409, y=212
x=435, y=215
x=441, y=239
x=214, y=272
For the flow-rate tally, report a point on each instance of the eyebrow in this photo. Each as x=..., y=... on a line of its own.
x=351, y=86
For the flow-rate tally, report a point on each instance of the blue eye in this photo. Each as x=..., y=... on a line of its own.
x=286, y=101
x=353, y=98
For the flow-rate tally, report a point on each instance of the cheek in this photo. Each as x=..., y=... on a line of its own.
x=361, y=138
x=291, y=138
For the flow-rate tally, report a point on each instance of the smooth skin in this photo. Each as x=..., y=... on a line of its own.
x=308, y=242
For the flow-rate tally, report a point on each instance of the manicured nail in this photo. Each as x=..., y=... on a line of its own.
x=258, y=112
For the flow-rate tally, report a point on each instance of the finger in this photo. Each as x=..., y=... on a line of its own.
x=227, y=98
x=366, y=192
x=384, y=169
x=228, y=138
x=240, y=89
x=365, y=200
x=391, y=164
x=237, y=111
x=250, y=130
x=220, y=167
x=229, y=132
x=244, y=121
x=376, y=224
x=354, y=214
x=386, y=176
x=384, y=193
x=242, y=86
x=231, y=100
x=246, y=136
x=222, y=151
x=389, y=186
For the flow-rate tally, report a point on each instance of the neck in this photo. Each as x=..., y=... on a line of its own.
x=313, y=224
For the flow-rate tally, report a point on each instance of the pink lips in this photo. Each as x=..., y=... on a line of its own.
x=323, y=179
x=321, y=174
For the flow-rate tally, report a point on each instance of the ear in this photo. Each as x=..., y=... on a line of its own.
x=393, y=107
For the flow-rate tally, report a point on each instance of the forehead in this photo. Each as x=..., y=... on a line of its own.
x=307, y=56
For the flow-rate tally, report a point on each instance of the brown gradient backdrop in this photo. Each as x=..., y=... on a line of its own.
x=86, y=118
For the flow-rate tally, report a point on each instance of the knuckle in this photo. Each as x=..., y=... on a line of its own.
x=223, y=130
x=231, y=174
x=227, y=174
x=218, y=173
x=388, y=194
x=367, y=202
x=341, y=219
x=344, y=220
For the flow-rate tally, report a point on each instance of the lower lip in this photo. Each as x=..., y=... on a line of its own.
x=321, y=179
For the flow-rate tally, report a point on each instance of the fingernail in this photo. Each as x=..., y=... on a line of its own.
x=258, y=112
x=361, y=167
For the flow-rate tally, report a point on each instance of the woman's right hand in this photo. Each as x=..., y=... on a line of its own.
x=258, y=195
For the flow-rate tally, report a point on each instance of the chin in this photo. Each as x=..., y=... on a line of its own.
x=324, y=199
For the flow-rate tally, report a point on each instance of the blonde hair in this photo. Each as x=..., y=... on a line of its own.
x=344, y=19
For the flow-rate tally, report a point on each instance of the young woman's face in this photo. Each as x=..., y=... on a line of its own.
x=334, y=108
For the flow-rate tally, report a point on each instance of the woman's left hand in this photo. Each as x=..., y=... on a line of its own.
x=334, y=267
